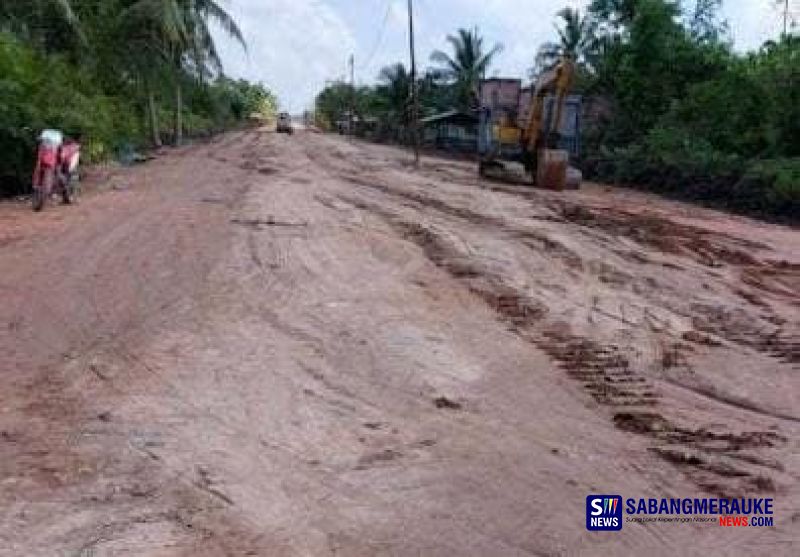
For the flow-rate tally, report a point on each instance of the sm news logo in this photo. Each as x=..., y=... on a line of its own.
x=604, y=512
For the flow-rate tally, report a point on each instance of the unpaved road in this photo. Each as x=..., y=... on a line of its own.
x=275, y=345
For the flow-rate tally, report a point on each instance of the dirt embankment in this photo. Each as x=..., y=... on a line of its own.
x=299, y=345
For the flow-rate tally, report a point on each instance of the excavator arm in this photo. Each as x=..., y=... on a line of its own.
x=559, y=81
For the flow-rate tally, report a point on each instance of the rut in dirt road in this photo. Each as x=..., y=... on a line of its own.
x=313, y=348
x=605, y=374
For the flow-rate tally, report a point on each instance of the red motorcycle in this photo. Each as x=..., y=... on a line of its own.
x=56, y=169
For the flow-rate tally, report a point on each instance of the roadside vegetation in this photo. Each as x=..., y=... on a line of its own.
x=683, y=113
x=125, y=74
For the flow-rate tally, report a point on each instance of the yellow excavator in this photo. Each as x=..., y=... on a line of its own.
x=536, y=143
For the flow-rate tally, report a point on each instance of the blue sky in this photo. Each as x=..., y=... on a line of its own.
x=296, y=45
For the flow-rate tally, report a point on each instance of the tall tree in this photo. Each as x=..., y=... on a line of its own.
x=788, y=14
x=23, y=14
x=152, y=29
x=615, y=13
x=648, y=61
x=179, y=34
x=395, y=92
x=577, y=40
x=197, y=51
x=50, y=23
x=467, y=64
x=704, y=23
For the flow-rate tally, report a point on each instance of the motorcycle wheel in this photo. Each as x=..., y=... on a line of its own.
x=38, y=199
x=41, y=193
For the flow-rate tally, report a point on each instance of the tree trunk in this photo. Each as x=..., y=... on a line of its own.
x=178, y=114
x=152, y=114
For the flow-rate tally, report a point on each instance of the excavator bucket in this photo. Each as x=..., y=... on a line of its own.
x=552, y=169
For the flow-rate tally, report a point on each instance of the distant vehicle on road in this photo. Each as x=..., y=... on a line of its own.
x=285, y=123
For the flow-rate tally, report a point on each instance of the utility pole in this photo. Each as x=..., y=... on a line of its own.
x=788, y=15
x=350, y=125
x=414, y=99
x=786, y=18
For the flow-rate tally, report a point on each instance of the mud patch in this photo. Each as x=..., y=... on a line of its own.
x=426, y=201
x=445, y=403
x=437, y=249
x=258, y=223
x=737, y=326
x=641, y=422
x=699, y=338
x=707, y=248
x=542, y=243
x=371, y=460
x=602, y=371
x=779, y=278
x=519, y=310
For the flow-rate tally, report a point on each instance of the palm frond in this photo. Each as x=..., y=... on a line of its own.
x=166, y=15
x=211, y=9
x=65, y=9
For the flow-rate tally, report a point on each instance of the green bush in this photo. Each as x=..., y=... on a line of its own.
x=764, y=188
x=772, y=186
x=692, y=118
x=40, y=90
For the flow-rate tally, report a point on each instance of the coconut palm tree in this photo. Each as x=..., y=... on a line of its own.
x=577, y=40
x=197, y=53
x=616, y=12
x=180, y=38
x=199, y=48
x=25, y=13
x=42, y=21
x=394, y=91
x=467, y=64
x=150, y=29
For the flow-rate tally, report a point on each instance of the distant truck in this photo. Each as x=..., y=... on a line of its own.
x=285, y=123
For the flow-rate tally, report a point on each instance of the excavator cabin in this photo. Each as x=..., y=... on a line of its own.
x=537, y=127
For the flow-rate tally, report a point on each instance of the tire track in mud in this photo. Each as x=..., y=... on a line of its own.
x=653, y=232
x=533, y=238
x=424, y=200
x=721, y=462
x=710, y=250
x=649, y=231
x=737, y=326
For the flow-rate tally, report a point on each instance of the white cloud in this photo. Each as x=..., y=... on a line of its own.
x=293, y=47
x=752, y=22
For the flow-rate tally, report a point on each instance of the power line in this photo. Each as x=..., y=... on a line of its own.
x=786, y=17
x=414, y=96
x=379, y=39
x=434, y=17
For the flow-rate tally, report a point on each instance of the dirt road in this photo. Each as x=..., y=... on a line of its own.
x=274, y=345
